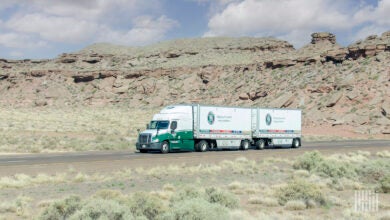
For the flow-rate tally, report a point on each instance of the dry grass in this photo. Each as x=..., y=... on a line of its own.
x=70, y=129
x=384, y=154
x=295, y=194
x=295, y=205
x=266, y=201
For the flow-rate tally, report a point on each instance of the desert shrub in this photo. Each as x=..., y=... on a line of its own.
x=221, y=197
x=103, y=209
x=196, y=208
x=333, y=168
x=62, y=209
x=308, y=161
x=385, y=184
x=316, y=163
x=385, y=153
x=298, y=189
x=108, y=194
x=295, y=205
x=144, y=204
x=374, y=170
x=187, y=193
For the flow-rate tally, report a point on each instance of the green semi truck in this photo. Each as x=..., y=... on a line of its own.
x=202, y=127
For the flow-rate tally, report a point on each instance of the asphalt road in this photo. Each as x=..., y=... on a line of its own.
x=93, y=156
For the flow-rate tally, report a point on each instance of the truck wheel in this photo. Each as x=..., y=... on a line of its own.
x=260, y=144
x=164, y=147
x=296, y=143
x=203, y=146
x=143, y=151
x=244, y=145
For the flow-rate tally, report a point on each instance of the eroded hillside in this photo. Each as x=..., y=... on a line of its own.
x=335, y=86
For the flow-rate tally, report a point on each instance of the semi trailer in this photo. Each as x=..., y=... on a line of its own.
x=196, y=127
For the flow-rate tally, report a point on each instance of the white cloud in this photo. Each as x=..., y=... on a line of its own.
x=132, y=22
x=145, y=30
x=289, y=19
x=94, y=10
x=368, y=30
x=269, y=16
x=379, y=15
x=15, y=40
x=6, y=4
x=57, y=29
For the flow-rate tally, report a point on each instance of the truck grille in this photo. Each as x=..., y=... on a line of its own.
x=145, y=138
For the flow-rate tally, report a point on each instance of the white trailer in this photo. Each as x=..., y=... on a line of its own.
x=223, y=127
x=201, y=128
x=276, y=127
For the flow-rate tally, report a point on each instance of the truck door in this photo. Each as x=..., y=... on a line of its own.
x=180, y=137
x=175, y=140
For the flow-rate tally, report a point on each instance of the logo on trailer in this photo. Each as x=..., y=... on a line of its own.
x=210, y=118
x=268, y=119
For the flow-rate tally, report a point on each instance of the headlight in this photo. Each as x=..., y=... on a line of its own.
x=155, y=140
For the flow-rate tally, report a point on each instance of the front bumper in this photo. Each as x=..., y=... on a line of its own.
x=150, y=146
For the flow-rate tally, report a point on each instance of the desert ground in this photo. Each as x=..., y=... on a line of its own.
x=93, y=101
x=271, y=184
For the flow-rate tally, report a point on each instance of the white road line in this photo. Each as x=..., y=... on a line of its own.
x=15, y=161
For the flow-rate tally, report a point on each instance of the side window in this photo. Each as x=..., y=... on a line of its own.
x=174, y=125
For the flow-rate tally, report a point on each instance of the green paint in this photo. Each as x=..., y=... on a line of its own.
x=179, y=140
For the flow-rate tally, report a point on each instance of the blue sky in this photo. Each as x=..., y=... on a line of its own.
x=47, y=28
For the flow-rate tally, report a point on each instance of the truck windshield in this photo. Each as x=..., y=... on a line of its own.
x=159, y=124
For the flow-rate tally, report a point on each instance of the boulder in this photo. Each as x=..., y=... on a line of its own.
x=334, y=99
x=92, y=60
x=257, y=94
x=284, y=100
x=121, y=90
x=40, y=103
x=370, y=50
x=3, y=76
x=274, y=64
x=355, y=52
x=323, y=37
x=320, y=89
x=172, y=54
x=352, y=95
x=67, y=60
x=385, y=109
x=83, y=78
x=336, y=55
x=243, y=96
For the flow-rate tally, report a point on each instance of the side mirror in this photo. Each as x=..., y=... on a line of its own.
x=138, y=130
x=147, y=126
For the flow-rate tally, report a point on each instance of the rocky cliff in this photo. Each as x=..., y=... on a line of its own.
x=334, y=85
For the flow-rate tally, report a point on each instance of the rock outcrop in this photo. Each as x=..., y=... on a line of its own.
x=323, y=78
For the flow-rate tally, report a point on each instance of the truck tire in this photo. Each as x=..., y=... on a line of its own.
x=143, y=151
x=165, y=147
x=202, y=146
x=260, y=144
x=296, y=143
x=244, y=145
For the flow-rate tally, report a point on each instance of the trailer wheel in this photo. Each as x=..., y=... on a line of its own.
x=164, y=147
x=296, y=143
x=202, y=146
x=143, y=151
x=244, y=145
x=260, y=144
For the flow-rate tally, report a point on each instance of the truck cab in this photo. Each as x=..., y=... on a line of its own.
x=170, y=130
